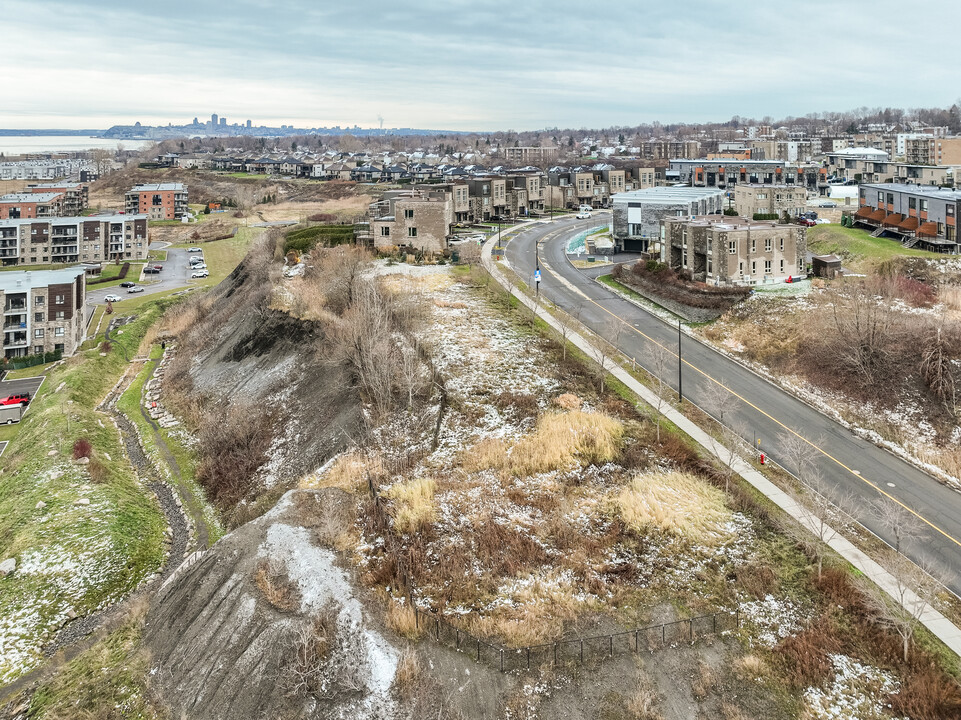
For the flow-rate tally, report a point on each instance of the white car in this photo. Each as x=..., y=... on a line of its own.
x=198, y=266
x=200, y=274
x=583, y=215
x=112, y=298
x=195, y=249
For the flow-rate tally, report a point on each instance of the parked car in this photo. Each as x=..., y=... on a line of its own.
x=158, y=267
x=807, y=223
x=810, y=215
x=200, y=274
x=827, y=203
x=135, y=289
x=115, y=298
x=195, y=260
x=823, y=221
x=18, y=399
x=199, y=266
x=127, y=283
x=583, y=215
x=151, y=271
x=195, y=249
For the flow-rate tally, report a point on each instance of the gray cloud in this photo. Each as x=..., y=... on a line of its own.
x=463, y=65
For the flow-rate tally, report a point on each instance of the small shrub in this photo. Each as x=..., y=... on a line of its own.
x=757, y=579
x=403, y=620
x=276, y=587
x=409, y=675
x=926, y=693
x=524, y=405
x=98, y=471
x=82, y=448
x=106, y=346
x=804, y=657
x=348, y=472
x=412, y=504
x=568, y=401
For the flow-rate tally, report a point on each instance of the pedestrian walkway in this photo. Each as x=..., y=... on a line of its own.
x=939, y=626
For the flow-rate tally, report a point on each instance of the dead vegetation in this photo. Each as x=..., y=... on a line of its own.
x=276, y=587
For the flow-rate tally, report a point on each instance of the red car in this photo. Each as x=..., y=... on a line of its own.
x=807, y=222
x=20, y=399
x=158, y=267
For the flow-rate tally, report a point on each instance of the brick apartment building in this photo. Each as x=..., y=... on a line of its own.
x=728, y=173
x=75, y=195
x=733, y=250
x=99, y=238
x=928, y=150
x=31, y=205
x=751, y=200
x=530, y=155
x=158, y=201
x=42, y=311
x=419, y=218
x=914, y=215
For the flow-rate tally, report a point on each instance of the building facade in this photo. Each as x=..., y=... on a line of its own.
x=30, y=205
x=637, y=215
x=530, y=155
x=42, y=311
x=914, y=215
x=420, y=219
x=99, y=238
x=75, y=195
x=158, y=201
x=728, y=173
x=751, y=200
x=733, y=250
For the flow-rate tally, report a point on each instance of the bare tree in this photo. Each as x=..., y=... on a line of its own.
x=721, y=403
x=509, y=284
x=936, y=368
x=827, y=503
x=567, y=322
x=660, y=362
x=470, y=253
x=102, y=160
x=898, y=520
x=604, y=348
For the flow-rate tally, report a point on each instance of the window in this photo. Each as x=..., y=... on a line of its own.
x=38, y=333
x=949, y=211
x=39, y=300
x=912, y=203
x=38, y=317
x=732, y=247
x=385, y=230
x=881, y=197
x=782, y=266
x=924, y=206
x=59, y=314
x=37, y=349
x=767, y=266
x=753, y=245
x=408, y=212
x=411, y=232
x=59, y=300
x=684, y=261
x=767, y=245
x=782, y=244
x=58, y=332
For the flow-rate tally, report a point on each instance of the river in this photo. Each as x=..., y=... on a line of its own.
x=12, y=145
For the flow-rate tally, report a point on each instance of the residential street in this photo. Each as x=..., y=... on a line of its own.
x=759, y=409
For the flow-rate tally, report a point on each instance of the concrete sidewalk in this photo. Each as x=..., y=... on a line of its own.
x=942, y=628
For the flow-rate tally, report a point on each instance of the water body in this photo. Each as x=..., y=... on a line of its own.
x=12, y=145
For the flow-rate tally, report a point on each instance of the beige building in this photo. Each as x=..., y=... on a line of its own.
x=641, y=178
x=751, y=200
x=420, y=219
x=734, y=250
x=530, y=155
x=42, y=311
x=97, y=238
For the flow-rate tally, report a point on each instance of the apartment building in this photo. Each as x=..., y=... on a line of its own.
x=637, y=215
x=640, y=178
x=99, y=238
x=751, y=200
x=733, y=250
x=861, y=164
x=786, y=150
x=42, y=311
x=45, y=169
x=75, y=195
x=540, y=156
x=914, y=215
x=727, y=173
x=421, y=219
x=928, y=150
x=927, y=174
x=488, y=197
x=669, y=149
x=31, y=205
x=158, y=201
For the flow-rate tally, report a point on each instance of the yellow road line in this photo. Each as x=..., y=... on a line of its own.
x=858, y=475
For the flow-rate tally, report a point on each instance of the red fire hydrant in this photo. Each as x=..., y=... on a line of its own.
x=762, y=458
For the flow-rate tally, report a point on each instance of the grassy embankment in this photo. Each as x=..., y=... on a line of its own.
x=857, y=248
x=98, y=535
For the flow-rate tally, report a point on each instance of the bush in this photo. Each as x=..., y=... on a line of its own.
x=82, y=449
x=766, y=216
x=105, y=346
x=234, y=446
x=305, y=239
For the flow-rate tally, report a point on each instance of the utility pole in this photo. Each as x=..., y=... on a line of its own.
x=680, y=394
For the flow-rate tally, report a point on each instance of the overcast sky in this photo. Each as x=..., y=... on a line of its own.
x=459, y=65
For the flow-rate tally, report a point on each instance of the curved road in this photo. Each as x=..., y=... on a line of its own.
x=757, y=408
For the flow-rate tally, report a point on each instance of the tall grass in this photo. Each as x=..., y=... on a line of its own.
x=675, y=503
x=412, y=504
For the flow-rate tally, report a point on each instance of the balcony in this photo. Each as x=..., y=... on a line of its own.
x=15, y=307
x=12, y=323
x=15, y=339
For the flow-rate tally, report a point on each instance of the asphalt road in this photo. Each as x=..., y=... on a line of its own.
x=175, y=274
x=755, y=407
x=25, y=385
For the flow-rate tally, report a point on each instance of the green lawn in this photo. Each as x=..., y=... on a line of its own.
x=72, y=557
x=857, y=248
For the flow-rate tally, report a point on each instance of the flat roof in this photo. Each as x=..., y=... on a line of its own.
x=728, y=222
x=63, y=185
x=72, y=220
x=926, y=190
x=156, y=187
x=667, y=194
x=29, y=197
x=730, y=161
x=21, y=280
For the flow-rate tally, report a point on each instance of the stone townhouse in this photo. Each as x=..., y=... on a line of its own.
x=420, y=219
x=751, y=200
x=533, y=183
x=460, y=198
x=733, y=250
x=98, y=238
x=488, y=197
x=42, y=311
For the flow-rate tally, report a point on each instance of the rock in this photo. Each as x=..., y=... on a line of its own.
x=107, y=455
x=83, y=461
x=71, y=614
x=51, y=453
x=8, y=566
x=40, y=505
x=82, y=501
x=103, y=354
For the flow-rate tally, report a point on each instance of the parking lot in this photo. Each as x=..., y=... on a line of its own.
x=17, y=387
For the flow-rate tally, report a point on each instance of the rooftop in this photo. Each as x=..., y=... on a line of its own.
x=21, y=280
x=157, y=187
x=72, y=220
x=29, y=197
x=667, y=195
x=926, y=190
x=728, y=222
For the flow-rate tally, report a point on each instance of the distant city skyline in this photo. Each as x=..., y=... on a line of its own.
x=458, y=66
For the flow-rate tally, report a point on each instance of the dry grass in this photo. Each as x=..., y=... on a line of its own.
x=950, y=296
x=562, y=441
x=642, y=704
x=402, y=620
x=412, y=504
x=750, y=667
x=568, y=401
x=276, y=587
x=409, y=675
x=703, y=682
x=348, y=472
x=675, y=503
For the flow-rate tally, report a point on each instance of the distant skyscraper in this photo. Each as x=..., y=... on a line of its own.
x=248, y=123
x=213, y=119
x=195, y=121
x=223, y=121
